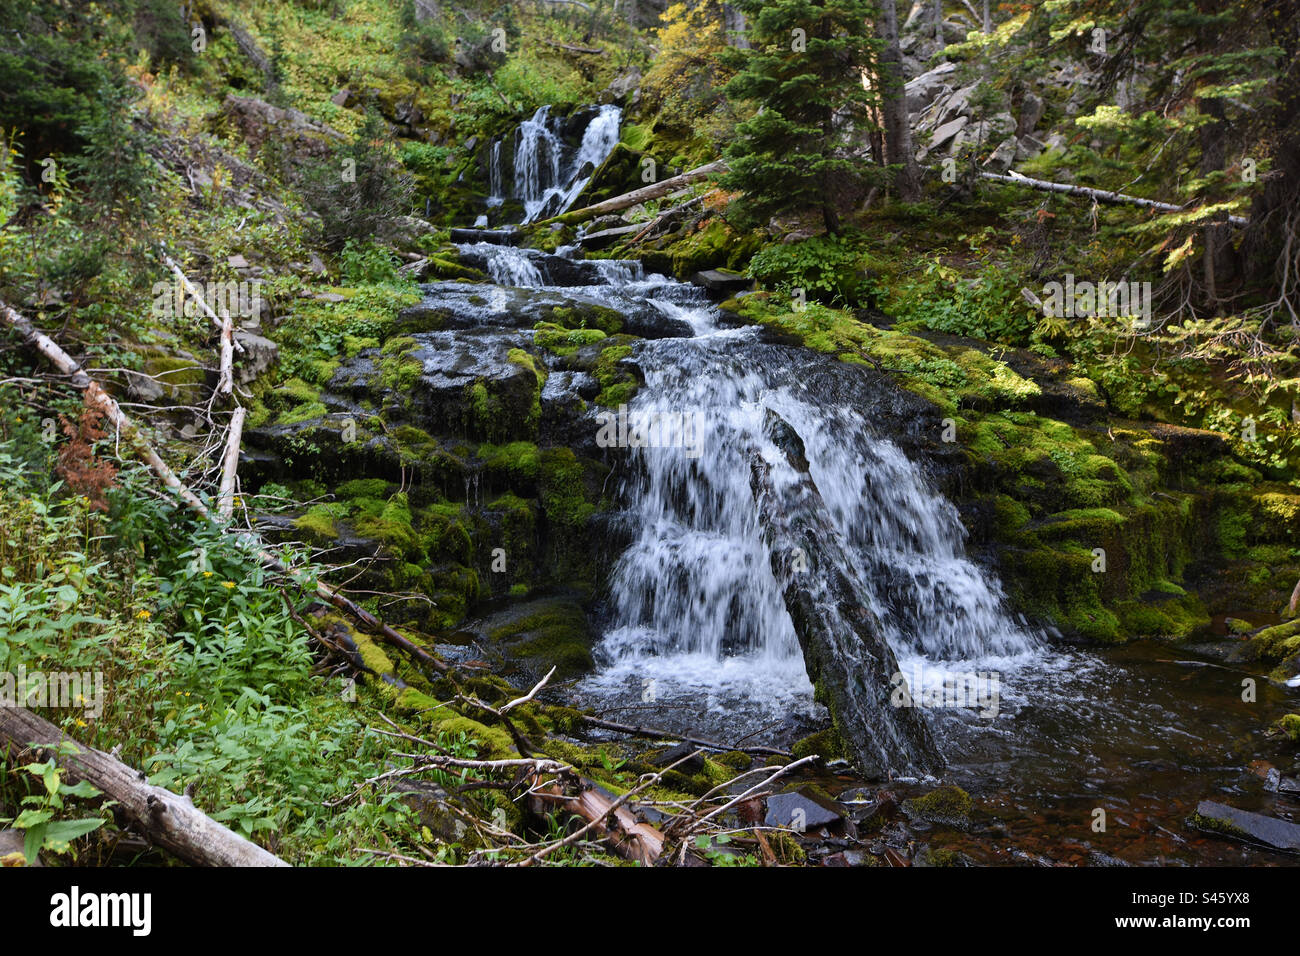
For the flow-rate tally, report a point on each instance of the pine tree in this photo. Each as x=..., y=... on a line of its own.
x=805, y=71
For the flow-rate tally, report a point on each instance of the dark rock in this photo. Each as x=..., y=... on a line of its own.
x=719, y=280
x=792, y=809
x=499, y=237
x=693, y=764
x=1244, y=825
x=845, y=651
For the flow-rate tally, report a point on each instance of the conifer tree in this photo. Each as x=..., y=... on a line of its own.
x=805, y=71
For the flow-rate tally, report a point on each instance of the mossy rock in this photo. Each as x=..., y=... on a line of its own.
x=949, y=806
x=825, y=743
x=552, y=633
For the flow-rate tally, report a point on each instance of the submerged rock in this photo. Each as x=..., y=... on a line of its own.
x=1244, y=825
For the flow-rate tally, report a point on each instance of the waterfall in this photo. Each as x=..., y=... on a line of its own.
x=693, y=602
x=695, y=589
x=548, y=174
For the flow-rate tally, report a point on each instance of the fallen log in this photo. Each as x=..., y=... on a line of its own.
x=96, y=397
x=188, y=286
x=1101, y=195
x=229, y=465
x=167, y=819
x=608, y=819
x=575, y=49
x=645, y=194
x=225, y=377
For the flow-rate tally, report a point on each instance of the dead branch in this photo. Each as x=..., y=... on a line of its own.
x=95, y=396
x=230, y=462
x=655, y=734
x=190, y=288
x=167, y=819
x=1100, y=195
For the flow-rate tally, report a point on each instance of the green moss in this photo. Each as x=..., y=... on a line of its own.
x=363, y=488
x=825, y=743
x=559, y=635
x=949, y=805
x=318, y=521
x=563, y=489
x=1290, y=725
x=495, y=743
x=561, y=341
x=372, y=655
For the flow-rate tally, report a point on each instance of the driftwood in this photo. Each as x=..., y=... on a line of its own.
x=166, y=819
x=1101, y=195
x=229, y=464
x=225, y=377
x=608, y=819
x=188, y=286
x=96, y=397
x=653, y=191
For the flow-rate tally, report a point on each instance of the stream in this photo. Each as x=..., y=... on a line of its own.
x=696, y=636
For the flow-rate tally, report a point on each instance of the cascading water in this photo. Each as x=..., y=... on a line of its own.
x=547, y=174
x=697, y=635
x=694, y=604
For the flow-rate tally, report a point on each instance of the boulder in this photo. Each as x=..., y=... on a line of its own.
x=722, y=281
x=800, y=810
x=260, y=353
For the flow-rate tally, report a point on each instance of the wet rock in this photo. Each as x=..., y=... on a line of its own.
x=799, y=811
x=498, y=237
x=949, y=806
x=845, y=652
x=1228, y=821
x=720, y=280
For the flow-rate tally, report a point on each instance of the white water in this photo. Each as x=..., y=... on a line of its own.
x=696, y=611
x=543, y=168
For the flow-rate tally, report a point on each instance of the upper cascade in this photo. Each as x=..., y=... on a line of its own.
x=546, y=173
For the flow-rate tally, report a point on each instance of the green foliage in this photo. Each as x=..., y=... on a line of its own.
x=42, y=832
x=805, y=72
x=823, y=266
x=360, y=190
x=987, y=305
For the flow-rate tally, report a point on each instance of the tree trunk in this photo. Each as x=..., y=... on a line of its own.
x=168, y=820
x=646, y=193
x=898, y=131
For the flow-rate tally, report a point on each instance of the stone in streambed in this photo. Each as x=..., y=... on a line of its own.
x=1244, y=825
x=800, y=811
